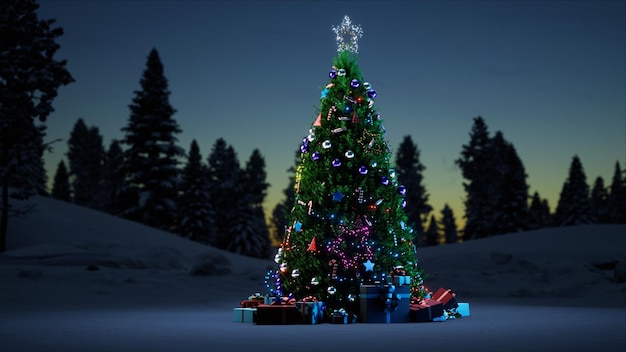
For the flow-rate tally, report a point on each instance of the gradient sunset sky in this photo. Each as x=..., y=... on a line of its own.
x=549, y=74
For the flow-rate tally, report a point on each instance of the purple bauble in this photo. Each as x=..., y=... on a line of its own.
x=354, y=83
x=336, y=163
x=304, y=148
x=316, y=156
x=404, y=203
x=371, y=93
x=384, y=180
x=402, y=190
x=332, y=74
x=363, y=170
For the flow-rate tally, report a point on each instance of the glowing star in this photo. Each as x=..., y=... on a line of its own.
x=369, y=266
x=347, y=36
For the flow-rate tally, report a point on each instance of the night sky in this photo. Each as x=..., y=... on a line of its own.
x=549, y=75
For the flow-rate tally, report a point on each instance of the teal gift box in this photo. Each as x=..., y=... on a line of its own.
x=244, y=315
x=311, y=312
x=384, y=304
x=463, y=309
x=401, y=280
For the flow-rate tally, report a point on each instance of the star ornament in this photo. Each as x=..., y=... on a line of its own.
x=348, y=36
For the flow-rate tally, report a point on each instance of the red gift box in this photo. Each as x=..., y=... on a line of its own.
x=276, y=314
x=250, y=303
x=425, y=311
x=446, y=297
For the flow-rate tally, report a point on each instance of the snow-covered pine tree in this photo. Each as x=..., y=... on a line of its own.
x=574, y=206
x=152, y=155
x=61, y=185
x=448, y=223
x=254, y=190
x=599, y=201
x=480, y=192
x=347, y=225
x=616, y=202
x=225, y=189
x=86, y=158
x=432, y=232
x=196, y=214
x=29, y=79
x=409, y=171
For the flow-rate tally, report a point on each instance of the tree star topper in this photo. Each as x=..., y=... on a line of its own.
x=347, y=29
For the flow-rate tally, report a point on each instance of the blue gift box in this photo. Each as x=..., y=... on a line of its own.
x=311, y=312
x=384, y=304
x=244, y=315
x=463, y=309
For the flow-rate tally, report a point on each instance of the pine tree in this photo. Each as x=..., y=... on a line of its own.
x=432, y=232
x=29, y=79
x=61, y=187
x=225, y=187
x=409, y=171
x=254, y=191
x=197, y=217
x=539, y=212
x=348, y=225
x=599, y=201
x=152, y=155
x=114, y=180
x=86, y=157
x=616, y=202
x=480, y=186
x=574, y=206
x=448, y=222
x=511, y=212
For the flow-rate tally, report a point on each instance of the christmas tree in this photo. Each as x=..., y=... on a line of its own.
x=348, y=225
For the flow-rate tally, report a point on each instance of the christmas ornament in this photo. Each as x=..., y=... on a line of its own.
x=326, y=144
x=341, y=72
x=318, y=120
x=315, y=155
x=369, y=266
x=338, y=196
x=402, y=190
x=283, y=267
x=349, y=154
x=295, y=273
x=297, y=226
x=371, y=93
x=384, y=180
x=324, y=93
x=351, y=297
x=315, y=281
x=354, y=83
x=367, y=85
x=336, y=163
x=331, y=290
x=363, y=170
x=332, y=74
x=312, y=246
x=334, y=265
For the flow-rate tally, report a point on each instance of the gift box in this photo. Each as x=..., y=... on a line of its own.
x=463, y=309
x=342, y=317
x=244, y=315
x=276, y=314
x=384, y=304
x=401, y=280
x=446, y=297
x=311, y=312
x=426, y=310
x=269, y=299
x=250, y=303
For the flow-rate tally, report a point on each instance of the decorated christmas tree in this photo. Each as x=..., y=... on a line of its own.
x=348, y=226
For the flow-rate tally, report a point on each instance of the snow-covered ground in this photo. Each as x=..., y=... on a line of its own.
x=74, y=279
